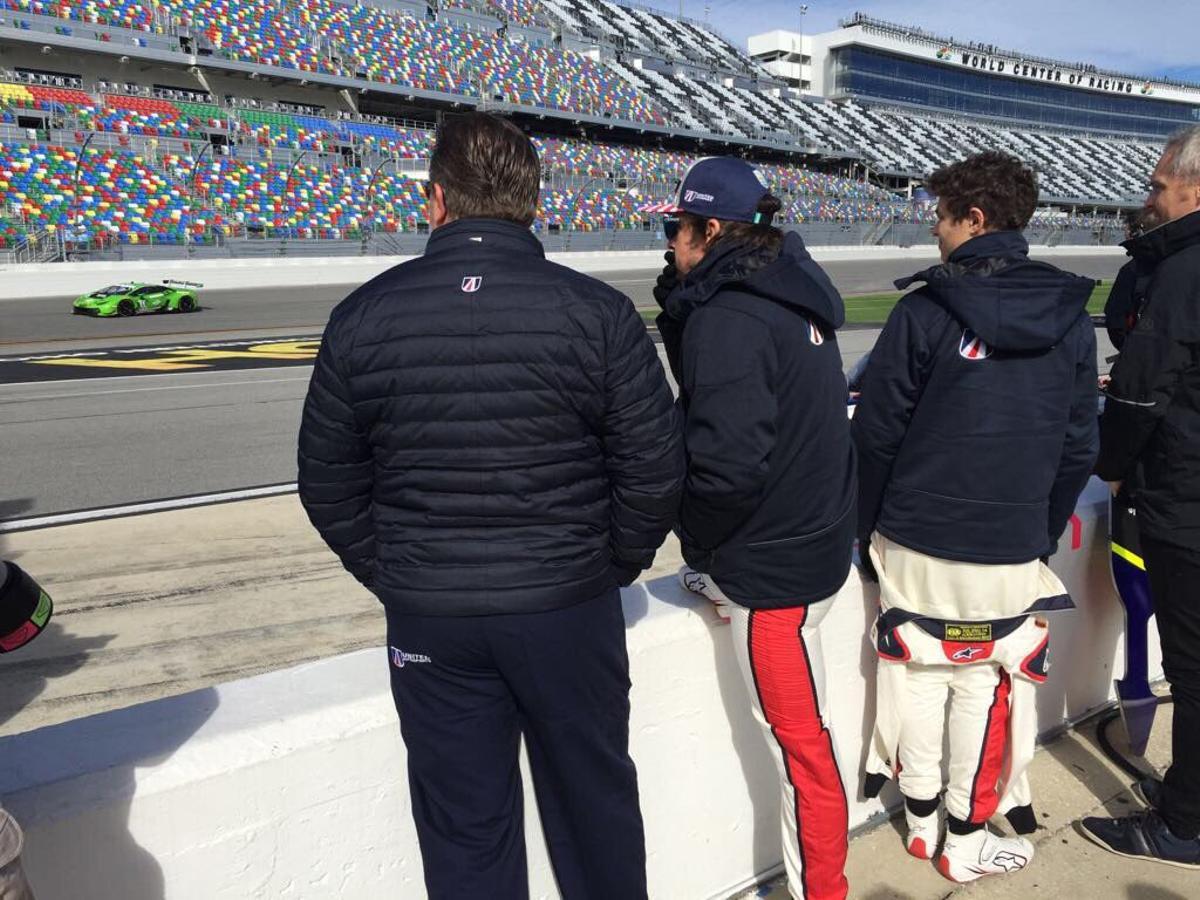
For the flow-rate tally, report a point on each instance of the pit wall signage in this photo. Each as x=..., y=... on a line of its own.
x=1035, y=72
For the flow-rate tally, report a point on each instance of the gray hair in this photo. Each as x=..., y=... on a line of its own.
x=1182, y=154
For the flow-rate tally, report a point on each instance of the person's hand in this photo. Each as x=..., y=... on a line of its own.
x=1115, y=487
x=865, y=567
x=667, y=279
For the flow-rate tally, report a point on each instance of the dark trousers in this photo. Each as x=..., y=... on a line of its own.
x=467, y=689
x=1174, y=574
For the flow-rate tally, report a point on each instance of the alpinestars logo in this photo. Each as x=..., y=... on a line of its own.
x=966, y=654
x=472, y=283
x=1009, y=861
x=400, y=659
x=972, y=347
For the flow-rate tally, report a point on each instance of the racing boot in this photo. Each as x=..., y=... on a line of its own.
x=923, y=833
x=966, y=857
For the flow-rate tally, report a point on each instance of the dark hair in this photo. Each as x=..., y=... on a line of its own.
x=763, y=236
x=996, y=182
x=487, y=167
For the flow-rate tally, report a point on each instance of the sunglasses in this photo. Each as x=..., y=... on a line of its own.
x=670, y=227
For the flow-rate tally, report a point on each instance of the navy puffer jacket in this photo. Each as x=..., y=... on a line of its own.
x=488, y=432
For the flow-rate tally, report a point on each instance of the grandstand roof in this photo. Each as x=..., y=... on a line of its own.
x=912, y=31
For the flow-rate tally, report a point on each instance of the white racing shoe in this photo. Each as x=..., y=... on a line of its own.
x=699, y=583
x=923, y=833
x=966, y=857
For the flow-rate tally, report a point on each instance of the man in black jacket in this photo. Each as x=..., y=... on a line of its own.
x=490, y=445
x=767, y=518
x=1151, y=427
x=976, y=432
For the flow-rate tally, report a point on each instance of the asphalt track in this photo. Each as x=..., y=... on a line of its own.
x=125, y=410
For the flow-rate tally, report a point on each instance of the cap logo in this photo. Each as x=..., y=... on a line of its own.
x=692, y=196
x=472, y=283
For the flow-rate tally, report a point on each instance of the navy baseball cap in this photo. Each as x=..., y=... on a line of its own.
x=721, y=187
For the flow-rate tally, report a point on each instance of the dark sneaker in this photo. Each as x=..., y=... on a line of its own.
x=1142, y=835
x=1149, y=789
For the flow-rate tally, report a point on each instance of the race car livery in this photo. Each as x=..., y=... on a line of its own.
x=138, y=297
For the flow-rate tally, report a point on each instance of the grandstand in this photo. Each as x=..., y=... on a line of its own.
x=199, y=122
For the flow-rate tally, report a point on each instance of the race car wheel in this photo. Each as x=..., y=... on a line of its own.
x=126, y=308
x=187, y=304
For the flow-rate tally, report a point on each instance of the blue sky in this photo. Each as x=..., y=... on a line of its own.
x=1154, y=37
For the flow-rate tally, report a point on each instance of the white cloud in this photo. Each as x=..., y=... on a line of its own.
x=1148, y=37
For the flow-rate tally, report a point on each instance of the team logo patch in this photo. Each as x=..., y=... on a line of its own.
x=971, y=346
x=814, y=333
x=472, y=283
x=400, y=659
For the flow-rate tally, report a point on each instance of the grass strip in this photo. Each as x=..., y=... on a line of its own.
x=873, y=309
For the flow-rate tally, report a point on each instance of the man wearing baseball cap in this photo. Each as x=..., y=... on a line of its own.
x=25, y=609
x=767, y=516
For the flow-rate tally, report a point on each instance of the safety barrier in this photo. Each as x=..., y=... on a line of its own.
x=293, y=783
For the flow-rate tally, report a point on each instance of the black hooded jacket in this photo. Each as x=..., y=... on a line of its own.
x=768, y=502
x=1151, y=422
x=976, y=430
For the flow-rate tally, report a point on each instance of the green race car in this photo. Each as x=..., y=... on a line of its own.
x=138, y=297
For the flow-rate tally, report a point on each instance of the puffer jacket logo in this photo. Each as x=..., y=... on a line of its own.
x=472, y=283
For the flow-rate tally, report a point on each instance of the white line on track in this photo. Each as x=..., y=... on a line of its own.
x=90, y=380
x=150, y=506
x=161, y=387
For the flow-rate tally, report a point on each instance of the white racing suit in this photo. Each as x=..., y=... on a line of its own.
x=969, y=634
x=780, y=657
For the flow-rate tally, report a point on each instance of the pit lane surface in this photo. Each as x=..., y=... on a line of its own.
x=209, y=415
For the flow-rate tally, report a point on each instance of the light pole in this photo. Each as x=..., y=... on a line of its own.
x=293, y=206
x=192, y=191
x=570, y=223
x=370, y=194
x=803, y=13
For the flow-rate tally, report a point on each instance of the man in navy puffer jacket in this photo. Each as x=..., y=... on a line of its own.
x=976, y=432
x=490, y=445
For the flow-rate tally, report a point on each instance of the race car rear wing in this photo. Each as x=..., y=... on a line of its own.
x=189, y=284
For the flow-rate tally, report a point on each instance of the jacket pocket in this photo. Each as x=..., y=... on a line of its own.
x=801, y=539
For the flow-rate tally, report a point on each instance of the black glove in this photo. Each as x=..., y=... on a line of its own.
x=667, y=279
x=865, y=566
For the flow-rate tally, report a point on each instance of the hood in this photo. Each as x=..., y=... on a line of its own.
x=1158, y=243
x=791, y=279
x=991, y=286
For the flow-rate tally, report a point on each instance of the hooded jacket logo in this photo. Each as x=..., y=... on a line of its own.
x=814, y=333
x=971, y=346
x=472, y=283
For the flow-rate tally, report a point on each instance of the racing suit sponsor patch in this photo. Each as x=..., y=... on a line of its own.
x=968, y=631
